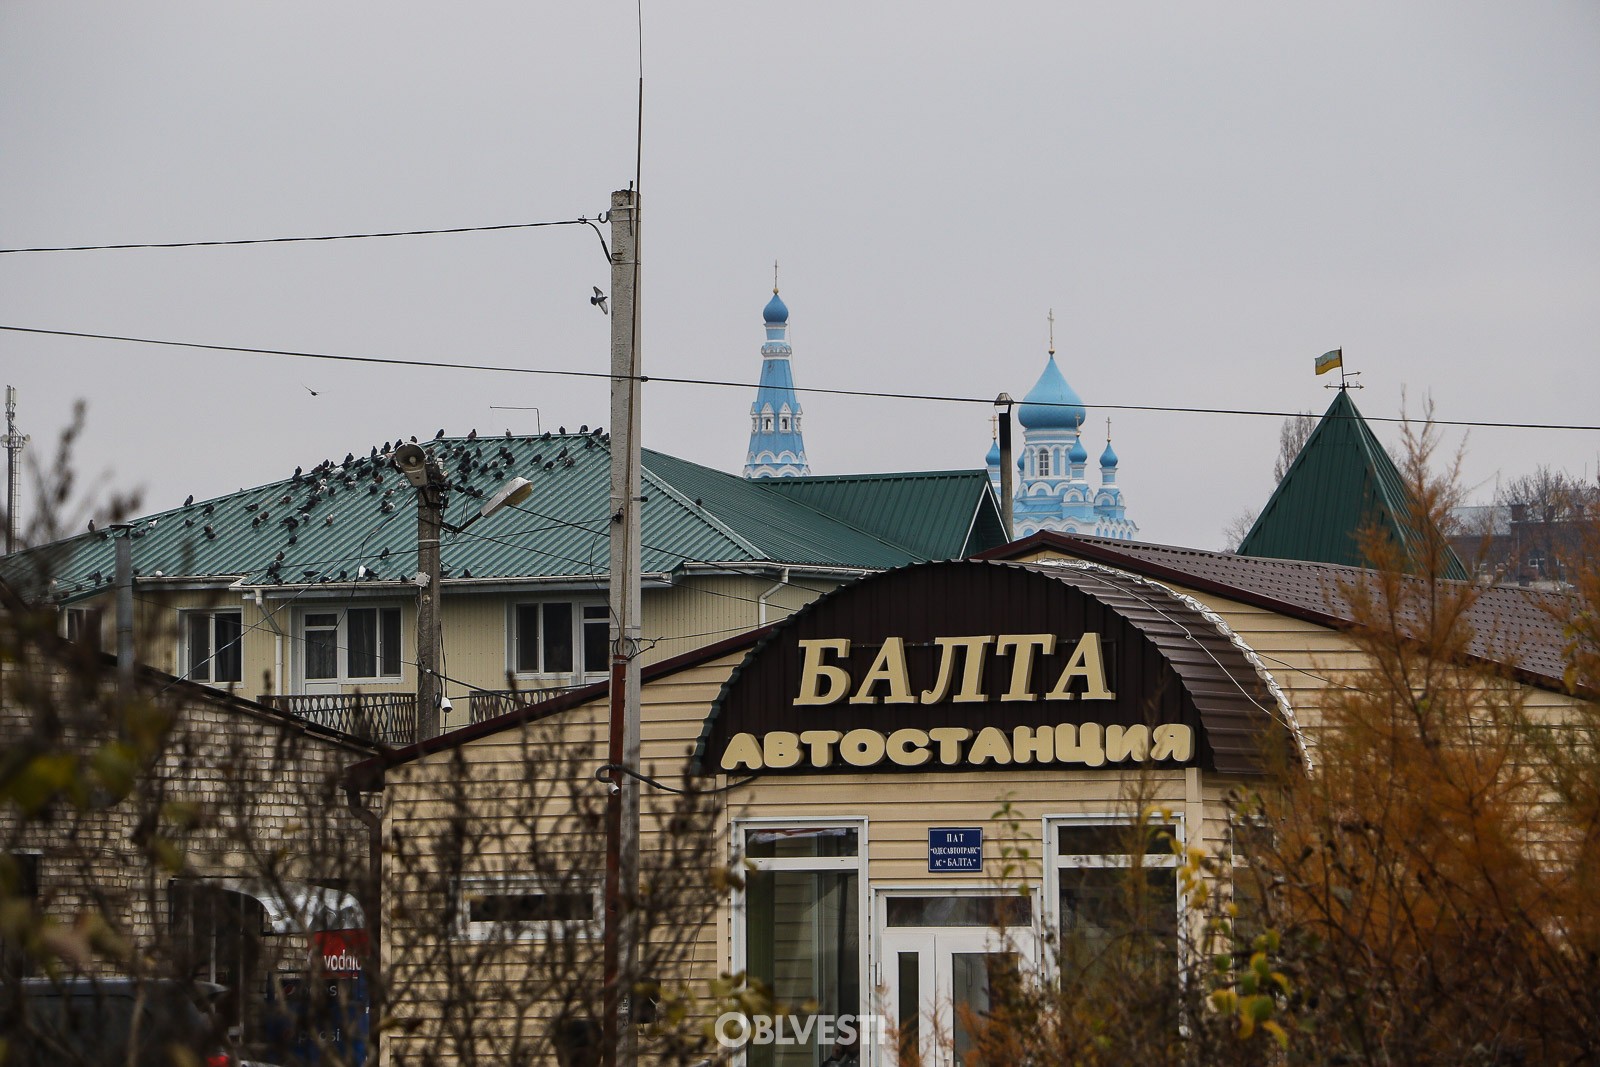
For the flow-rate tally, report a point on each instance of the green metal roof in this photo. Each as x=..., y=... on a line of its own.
x=355, y=522
x=914, y=509
x=1341, y=482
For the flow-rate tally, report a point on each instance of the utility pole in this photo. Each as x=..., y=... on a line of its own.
x=424, y=472
x=14, y=442
x=123, y=534
x=618, y=1037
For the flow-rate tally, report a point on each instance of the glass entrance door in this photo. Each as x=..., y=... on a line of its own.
x=941, y=957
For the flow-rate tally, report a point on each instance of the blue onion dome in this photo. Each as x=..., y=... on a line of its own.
x=1108, y=458
x=1051, y=404
x=993, y=458
x=776, y=312
x=1078, y=454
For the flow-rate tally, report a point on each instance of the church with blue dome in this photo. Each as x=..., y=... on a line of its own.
x=777, y=449
x=1052, y=484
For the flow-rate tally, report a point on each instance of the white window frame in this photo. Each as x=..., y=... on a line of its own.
x=532, y=929
x=856, y=863
x=341, y=644
x=1055, y=862
x=1041, y=463
x=187, y=669
x=585, y=613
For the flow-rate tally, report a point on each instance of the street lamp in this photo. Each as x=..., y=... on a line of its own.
x=424, y=472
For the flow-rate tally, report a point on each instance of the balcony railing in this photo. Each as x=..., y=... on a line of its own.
x=489, y=703
x=388, y=718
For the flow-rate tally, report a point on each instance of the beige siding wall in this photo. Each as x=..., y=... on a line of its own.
x=707, y=609
x=522, y=773
x=477, y=629
x=531, y=798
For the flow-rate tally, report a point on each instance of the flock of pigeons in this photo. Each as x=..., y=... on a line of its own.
x=469, y=463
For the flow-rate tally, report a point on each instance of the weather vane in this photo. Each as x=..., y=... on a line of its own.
x=1334, y=360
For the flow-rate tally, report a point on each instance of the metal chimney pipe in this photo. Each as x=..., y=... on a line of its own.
x=1008, y=470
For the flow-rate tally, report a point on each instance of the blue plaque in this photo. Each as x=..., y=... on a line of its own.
x=955, y=848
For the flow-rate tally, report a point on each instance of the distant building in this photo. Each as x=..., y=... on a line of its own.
x=1528, y=544
x=1054, y=491
x=777, y=449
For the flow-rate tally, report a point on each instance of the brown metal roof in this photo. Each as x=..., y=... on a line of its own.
x=1233, y=693
x=1511, y=627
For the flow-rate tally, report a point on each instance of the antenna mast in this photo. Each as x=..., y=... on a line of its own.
x=14, y=443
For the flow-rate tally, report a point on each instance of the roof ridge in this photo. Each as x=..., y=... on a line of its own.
x=963, y=472
x=698, y=511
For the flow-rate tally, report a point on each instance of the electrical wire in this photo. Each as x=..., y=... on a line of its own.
x=604, y=772
x=299, y=240
x=876, y=394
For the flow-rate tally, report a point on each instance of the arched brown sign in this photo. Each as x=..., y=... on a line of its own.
x=974, y=665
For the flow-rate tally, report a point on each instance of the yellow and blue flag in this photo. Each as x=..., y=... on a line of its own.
x=1329, y=360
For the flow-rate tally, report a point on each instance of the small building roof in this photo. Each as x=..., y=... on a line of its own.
x=1341, y=483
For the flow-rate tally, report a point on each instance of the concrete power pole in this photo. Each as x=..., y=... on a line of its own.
x=618, y=1035
x=430, y=517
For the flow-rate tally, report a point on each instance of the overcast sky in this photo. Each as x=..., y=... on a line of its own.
x=1208, y=195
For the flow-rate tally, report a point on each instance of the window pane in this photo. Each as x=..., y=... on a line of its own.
x=1113, y=915
x=802, y=944
x=800, y=841
x=83, y=626
x=321, y=649
x=908, y=1012
x=229, y=661
x=1124, y=839
x=976, y=979
x=557, y=638
x=199, y=665
x=390, y=643
x=596, y=639
x=532, y=907
x=361, y=639
x=945, y=910
x=527, y=639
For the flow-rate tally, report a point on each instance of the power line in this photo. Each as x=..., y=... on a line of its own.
x=725, y=384
x=299, y=240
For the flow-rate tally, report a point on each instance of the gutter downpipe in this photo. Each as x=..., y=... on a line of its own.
x=372, y=907
x=277, y=642
x=761, y=601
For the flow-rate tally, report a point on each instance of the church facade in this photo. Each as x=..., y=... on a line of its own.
x=777, y=449
x=1053, y=488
